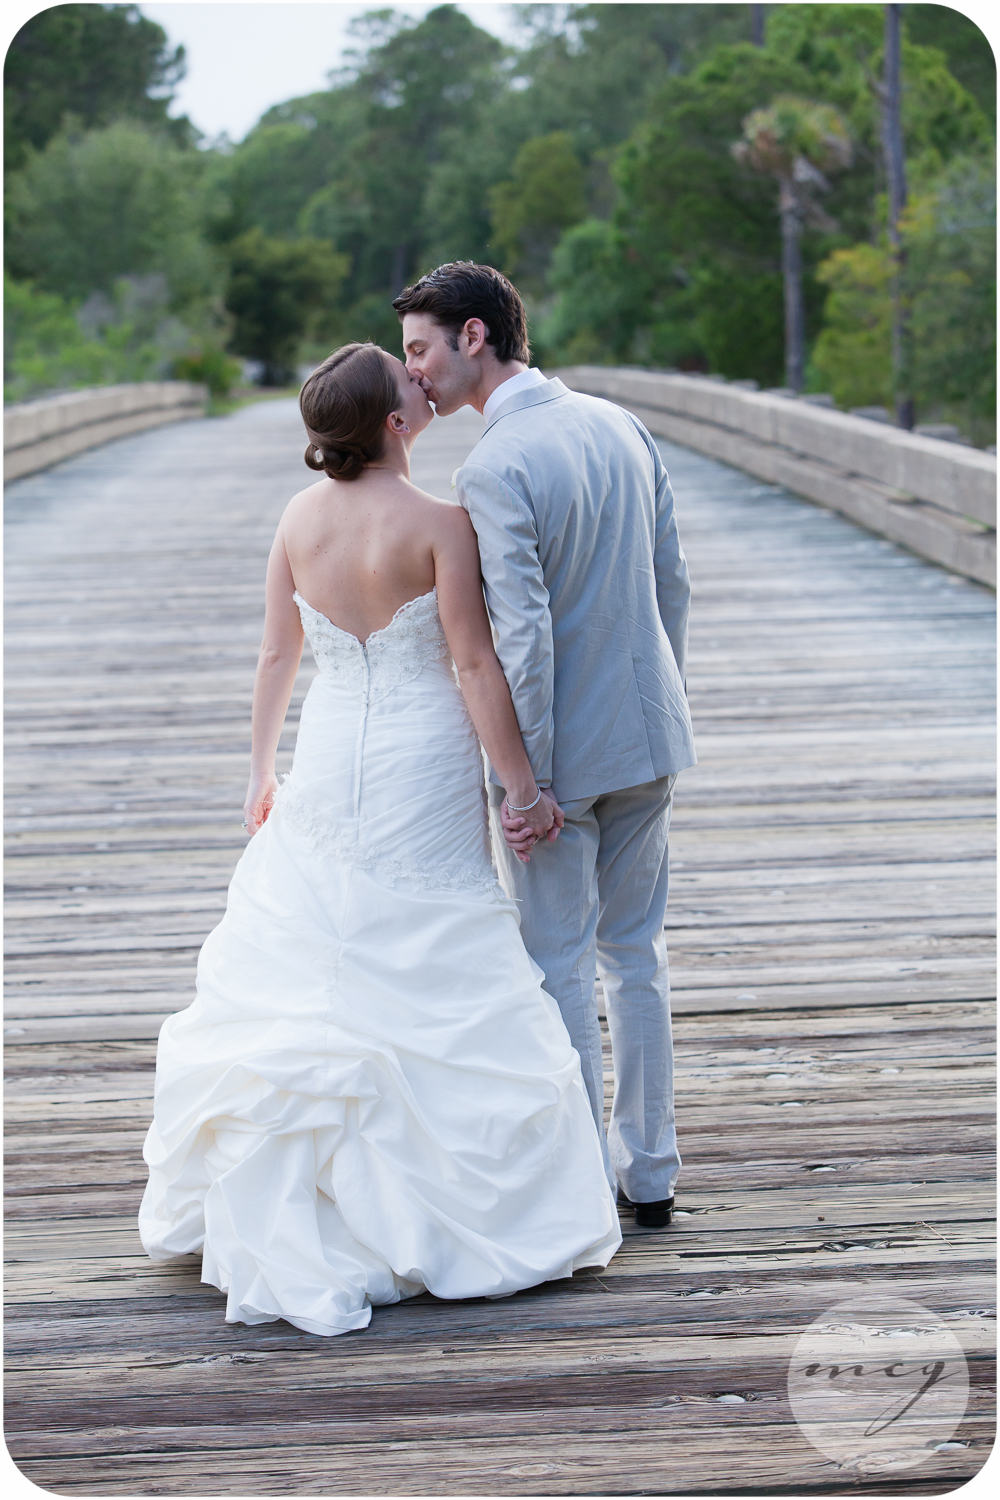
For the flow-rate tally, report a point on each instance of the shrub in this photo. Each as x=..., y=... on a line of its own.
x=52, y=344
x=852, y=357
x=208, y=366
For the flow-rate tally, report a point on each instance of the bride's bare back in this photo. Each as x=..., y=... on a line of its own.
x=360, y=549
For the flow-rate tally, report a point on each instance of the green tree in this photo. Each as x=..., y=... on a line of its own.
x=279, y=291
x=544, y=195
x=294, y=152
x=395, y=164
x=695, y=232
x=420, y=85
x=98, y=63
x=455, y=222
x=841, y=49
x=585, y=70
x=597, y=304
x=795, y=141
x=697, y=228
x=968, y=54
x=119, y=201
x=592, y=70
x=949, y=231
x=395, y=157
x=949, y=236
x=270, y=176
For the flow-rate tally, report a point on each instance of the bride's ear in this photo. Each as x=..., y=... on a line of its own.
x=397, y=423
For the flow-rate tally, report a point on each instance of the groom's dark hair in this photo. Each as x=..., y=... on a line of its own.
x=462, y=290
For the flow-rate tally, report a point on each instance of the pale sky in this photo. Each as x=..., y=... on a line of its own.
x=245, y=55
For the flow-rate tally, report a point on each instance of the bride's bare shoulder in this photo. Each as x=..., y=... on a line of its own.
x=446, y=519
x=437, y=506
x=304, y=503
x=447, y=525
x=312, y=492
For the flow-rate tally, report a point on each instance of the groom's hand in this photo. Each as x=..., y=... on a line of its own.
x=522, y=831
x=558, y=816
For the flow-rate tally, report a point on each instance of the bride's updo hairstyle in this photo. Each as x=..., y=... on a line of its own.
x=344, y=404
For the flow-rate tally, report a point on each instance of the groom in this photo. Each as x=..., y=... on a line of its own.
x=588, y=590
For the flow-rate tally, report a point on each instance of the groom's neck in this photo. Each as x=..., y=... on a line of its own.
x=493, y=375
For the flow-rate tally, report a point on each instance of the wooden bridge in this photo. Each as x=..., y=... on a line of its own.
x=832, y=960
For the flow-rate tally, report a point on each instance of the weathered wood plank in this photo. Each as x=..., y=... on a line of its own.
x=533, y=1464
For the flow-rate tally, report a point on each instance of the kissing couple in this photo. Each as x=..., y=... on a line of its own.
x=390, y=1079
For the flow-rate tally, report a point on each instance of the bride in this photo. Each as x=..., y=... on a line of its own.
x=372, y=1095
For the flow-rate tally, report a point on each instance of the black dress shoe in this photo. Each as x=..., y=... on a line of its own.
x=655, y=1215
x=649, y=1215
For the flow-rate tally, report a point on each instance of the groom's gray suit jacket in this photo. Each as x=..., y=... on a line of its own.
x=587, y=587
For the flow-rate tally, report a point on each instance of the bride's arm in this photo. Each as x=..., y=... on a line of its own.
x=280, y=654
x=466, y=626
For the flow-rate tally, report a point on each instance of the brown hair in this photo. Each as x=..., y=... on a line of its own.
x=461, y=290
x=344, y=404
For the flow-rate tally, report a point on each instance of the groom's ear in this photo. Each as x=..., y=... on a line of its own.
x=475, y=332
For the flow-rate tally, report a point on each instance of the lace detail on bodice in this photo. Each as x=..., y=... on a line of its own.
x=296, y=810
x=391, y=656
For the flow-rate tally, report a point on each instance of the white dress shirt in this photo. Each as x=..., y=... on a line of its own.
x=510, y=387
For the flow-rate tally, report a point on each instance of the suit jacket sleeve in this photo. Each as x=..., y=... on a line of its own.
x=518, y=602
x=673, y=586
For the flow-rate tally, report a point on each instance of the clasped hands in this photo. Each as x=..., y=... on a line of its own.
x=523, y=830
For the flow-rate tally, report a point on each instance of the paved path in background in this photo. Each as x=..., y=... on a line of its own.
x=830, y=929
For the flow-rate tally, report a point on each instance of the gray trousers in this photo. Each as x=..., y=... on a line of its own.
x=594, y=902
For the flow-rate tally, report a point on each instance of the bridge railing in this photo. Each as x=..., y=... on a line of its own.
x=937, y=498
x=37, y=434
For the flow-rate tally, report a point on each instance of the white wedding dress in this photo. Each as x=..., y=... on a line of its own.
x=371, y=1094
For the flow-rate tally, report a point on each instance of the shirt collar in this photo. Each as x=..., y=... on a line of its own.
x=511, y=387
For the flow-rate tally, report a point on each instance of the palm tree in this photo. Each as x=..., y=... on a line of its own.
x=889, y=92
x=795, y=141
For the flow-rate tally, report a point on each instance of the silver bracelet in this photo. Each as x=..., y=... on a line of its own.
x=530, y=805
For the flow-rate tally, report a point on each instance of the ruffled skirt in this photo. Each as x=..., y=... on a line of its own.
x=372, y=1095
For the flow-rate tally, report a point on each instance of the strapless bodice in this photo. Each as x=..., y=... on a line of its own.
x=385, y=743
x=393, y=655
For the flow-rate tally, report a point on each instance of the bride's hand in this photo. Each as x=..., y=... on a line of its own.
x=259, y=799
x=522, y=830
